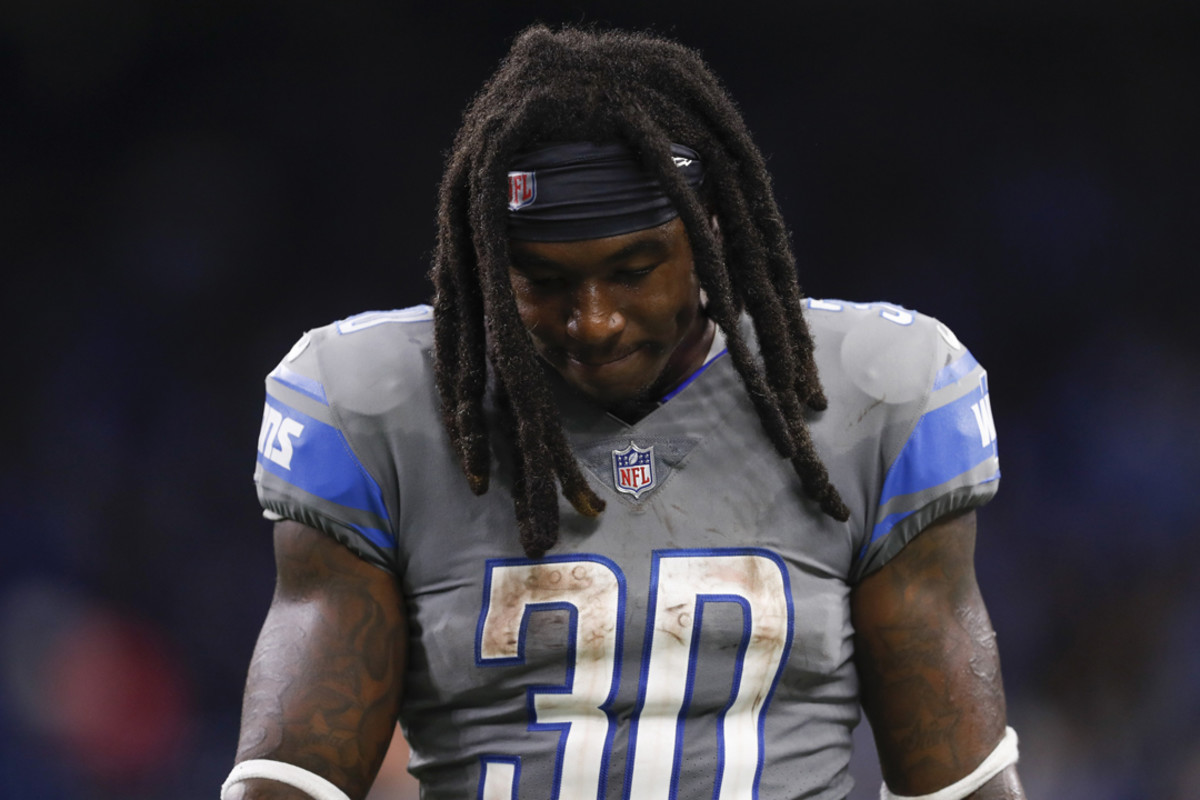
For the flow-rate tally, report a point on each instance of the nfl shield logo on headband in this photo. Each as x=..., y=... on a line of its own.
x=522, y=189
x=633, y=469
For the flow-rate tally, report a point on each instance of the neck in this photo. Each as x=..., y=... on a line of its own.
x=688, y=357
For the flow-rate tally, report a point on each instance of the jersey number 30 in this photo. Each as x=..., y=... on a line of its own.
x=591, y=590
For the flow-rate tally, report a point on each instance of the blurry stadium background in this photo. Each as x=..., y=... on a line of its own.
x=186, y=187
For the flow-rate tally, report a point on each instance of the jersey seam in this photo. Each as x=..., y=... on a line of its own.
x=336, y=416
x=930, y=372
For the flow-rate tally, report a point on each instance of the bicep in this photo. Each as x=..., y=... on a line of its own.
x=927, y=660
x=324, y=683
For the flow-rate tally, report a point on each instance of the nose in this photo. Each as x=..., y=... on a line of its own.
x=594, y=318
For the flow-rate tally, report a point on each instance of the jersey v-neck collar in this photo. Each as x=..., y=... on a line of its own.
x=715, y=351
x=668, y=434
x=708, y=389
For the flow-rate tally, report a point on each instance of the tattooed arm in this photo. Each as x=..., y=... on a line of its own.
x=324, y=685
x=929, y=667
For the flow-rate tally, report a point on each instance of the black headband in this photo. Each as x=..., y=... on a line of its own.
x=585, y=190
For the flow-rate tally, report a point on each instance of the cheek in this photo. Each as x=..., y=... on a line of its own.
x=537, y=316
x=527, y=310
x=680, y=304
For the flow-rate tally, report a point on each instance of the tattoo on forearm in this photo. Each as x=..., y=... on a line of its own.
x=931, y=674
x=324, y=679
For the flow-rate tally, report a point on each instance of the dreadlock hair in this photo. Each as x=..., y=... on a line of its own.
x=583, y=85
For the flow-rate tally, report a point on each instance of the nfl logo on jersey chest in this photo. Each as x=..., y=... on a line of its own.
x=633, y=470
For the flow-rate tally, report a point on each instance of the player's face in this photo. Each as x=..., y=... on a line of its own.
x=618, y=317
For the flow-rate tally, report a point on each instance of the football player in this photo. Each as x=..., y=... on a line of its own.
x=623, y=514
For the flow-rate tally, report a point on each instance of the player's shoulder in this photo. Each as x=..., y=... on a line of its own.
x=347, y=362
x=884, y=349
x=877, y=318
x=374, y=334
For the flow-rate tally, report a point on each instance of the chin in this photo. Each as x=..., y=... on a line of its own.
x=634, y=390
x=611, y=397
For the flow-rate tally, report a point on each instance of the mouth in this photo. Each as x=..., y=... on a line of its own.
x=594, y=362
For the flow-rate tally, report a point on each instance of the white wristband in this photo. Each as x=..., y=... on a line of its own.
x=1003, y=756
x=310, y=783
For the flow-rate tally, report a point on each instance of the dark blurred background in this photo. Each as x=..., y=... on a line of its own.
x=189, y=186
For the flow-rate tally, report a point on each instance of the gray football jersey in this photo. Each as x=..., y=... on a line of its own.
x=692, y=641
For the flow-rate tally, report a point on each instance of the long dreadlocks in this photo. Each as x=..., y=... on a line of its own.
x=578, y=85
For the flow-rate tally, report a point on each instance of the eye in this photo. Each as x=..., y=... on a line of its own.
x=545, y=283
x=535, y=281
x=634, y=275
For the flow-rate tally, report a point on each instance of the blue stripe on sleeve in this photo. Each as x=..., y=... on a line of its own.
x=882, y=527
x=952, y=373
x=377, y=537
x=318, y=459
x=301, y=383
x=946, y=442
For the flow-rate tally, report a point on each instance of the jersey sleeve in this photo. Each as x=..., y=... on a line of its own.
x=307, y=468
x=939, y=454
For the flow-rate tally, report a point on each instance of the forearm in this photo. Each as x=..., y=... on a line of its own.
x=930, y=668
x=324, y=684
x=994, y=779
x=317, y=709
x=1005, y=786
x=260, y=789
